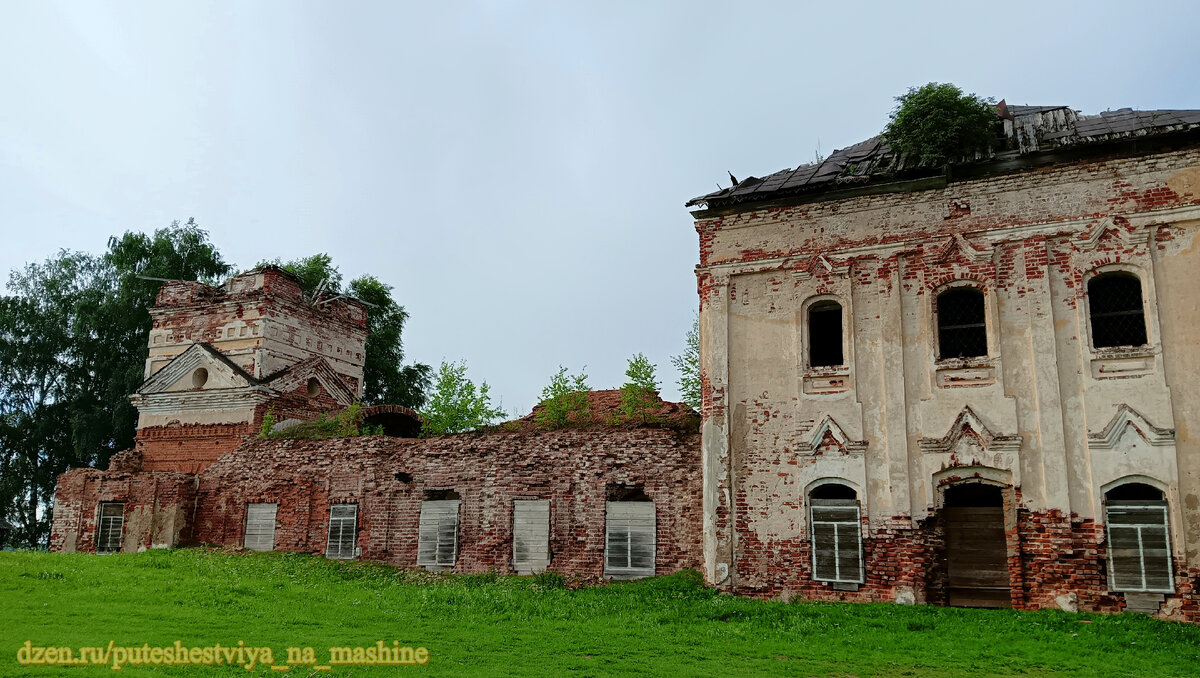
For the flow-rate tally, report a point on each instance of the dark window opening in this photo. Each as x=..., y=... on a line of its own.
x=1134, y=492
x=962, y=327
x=974, y=494
x=833, y=491
x=1115, y=303
x=825, y=334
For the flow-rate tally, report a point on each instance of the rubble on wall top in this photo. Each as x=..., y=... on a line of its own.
x=1028, y=130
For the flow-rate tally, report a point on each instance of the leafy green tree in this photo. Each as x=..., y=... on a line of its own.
x=72, y=348
x=939, y=124
x=564, y=401
x=688, y=364
x=385, y=378
x=639, y=395
x=455, y=405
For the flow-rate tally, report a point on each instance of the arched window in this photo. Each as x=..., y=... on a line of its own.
x=825, y=334
x=962, y=326
x=836, y=534
x=1139, y=543
x=1115, y=305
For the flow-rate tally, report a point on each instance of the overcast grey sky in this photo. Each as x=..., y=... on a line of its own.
x=516, y=170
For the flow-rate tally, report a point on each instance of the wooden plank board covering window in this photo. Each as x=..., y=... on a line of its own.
x=437, y=540
x=343, y=526
x=629, y=539
x=977, y=556
x=109, y=527
x=531, y=536
x=837, y=541
x=1139, y=546
x=260, y=526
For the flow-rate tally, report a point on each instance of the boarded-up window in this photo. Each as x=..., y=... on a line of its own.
x=836, y=535
x=343, y=525
x=437, y=545
x=108, y=529
x=629, y=540
x=531, y=536
x=260, y=526
x=1139, y=546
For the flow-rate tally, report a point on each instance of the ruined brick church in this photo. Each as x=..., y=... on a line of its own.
x=971, y=387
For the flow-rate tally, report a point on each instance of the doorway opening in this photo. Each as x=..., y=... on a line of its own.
x=976, y=546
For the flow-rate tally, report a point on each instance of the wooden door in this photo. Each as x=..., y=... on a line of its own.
x=977, y=556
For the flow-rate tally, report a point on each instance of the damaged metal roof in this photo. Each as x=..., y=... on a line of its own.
x=1027, y=130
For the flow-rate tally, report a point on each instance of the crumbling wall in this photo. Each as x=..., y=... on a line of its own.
x=1044, y=413
x=158, y=507
x=389, y=477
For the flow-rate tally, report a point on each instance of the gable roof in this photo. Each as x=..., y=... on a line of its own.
x=194, y=356
x=1029, y=131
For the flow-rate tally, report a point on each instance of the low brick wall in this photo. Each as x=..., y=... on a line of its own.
x=389, y=477
x=158, y=508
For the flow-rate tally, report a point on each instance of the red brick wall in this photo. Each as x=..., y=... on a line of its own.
x=572, y=469
x=189, y=448
x=158, y=506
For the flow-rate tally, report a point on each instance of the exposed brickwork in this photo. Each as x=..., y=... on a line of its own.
x=573, y=469
x=158, y=508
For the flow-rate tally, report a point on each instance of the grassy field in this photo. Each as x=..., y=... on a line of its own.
x=488, y=625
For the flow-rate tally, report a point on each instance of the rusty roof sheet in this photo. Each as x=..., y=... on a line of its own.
x=1031, y=129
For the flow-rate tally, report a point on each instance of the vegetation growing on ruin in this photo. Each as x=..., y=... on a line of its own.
x=564, y=402
x=455, y=404
x=639, y=394
x=340, y=424
x=486, y=624
x=938, y=124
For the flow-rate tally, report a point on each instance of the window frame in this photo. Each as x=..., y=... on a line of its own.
x=340, y=552
x=806, y=343
x=103, y=545
x=274, y=520
x=1165, y=526
x=439, y=520
x=539, y=509
x=628, y=524
x=837, y=504
x=936, y=308
x=1117, y=270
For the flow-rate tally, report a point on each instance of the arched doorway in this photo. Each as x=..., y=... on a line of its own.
x=976, y=546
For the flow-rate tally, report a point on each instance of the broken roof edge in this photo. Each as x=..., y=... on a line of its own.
x=1034, y=136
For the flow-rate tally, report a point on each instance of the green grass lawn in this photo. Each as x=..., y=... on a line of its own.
x=489, y=625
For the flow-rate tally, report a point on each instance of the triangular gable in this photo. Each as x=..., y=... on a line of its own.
x=969, y=425
x=1127, y=418
x=181, y=368
x=828, y=434
x=957, y=245
x=819, y=266
x=313, y=367
x=1110, y=227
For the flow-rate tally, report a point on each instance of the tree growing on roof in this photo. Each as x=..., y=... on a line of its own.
x=455, y=405
x=564, y=401
x=385, y=378
x=939, y=124
x=639, y=395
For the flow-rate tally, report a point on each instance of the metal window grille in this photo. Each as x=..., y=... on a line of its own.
x=260, y=526
x=343, y=527
x=1139, y=546
x=837, y=540
x=825, y=334
x=962, y=325
x=531, y=536
x=630, y=539
x=437, y=540
x=1116, y=309
x=109, y=527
